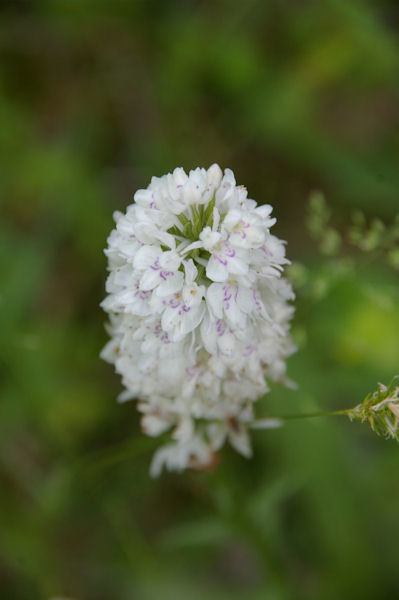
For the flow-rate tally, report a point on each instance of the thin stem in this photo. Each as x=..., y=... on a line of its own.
x=310, y=415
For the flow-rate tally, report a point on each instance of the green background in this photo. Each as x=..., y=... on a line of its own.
x=95, y=98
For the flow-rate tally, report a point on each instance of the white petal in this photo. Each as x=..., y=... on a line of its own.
x=143, y=197
x=169, y=318
x=208, y=335
x=229, y=177
x=188, y=322
x=170, y=260
x=214, y=298
x=171, y=285
x=227, y=343
x=232, y=218
x=154, y=425
x=216, y=270
x=149, y=280
x=180, y=176
x=190, y=270
x=146, y=256
x=264, y=210
x=239, y=439
x=163, y=456
x=237, y=266
x=214, y=175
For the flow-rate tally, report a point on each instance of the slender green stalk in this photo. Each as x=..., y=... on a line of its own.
x=380, y=409
x=311, y=415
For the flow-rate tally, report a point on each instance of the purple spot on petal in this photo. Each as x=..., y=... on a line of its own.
x=220, y=328
x=155, y=266
x=257, y=302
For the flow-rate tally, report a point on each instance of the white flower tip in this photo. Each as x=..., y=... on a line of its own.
x=124, y=396
x=215, y=175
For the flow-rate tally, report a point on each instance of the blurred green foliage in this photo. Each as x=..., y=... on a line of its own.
x=95, y=97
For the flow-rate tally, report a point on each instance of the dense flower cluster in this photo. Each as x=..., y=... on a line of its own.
x=199, y=312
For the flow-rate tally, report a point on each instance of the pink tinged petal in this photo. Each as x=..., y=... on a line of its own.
x=146, y=256
x=188, y=321
x=172, y=284
x=149, y=280
x=173, y=189
x=216, y=269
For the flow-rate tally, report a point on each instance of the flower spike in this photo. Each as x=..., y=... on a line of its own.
x=199, y=312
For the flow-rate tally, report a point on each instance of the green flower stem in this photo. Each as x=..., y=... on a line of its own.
x=314, y=415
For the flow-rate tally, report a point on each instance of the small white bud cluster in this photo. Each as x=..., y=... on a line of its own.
x=199, y=312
